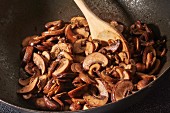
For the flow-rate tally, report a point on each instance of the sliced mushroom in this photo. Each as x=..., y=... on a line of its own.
x=63, y=65
x=78, y=92
x=79, y=46
x=78, y=58
x=77, y=67
x=93, y=58
x=77, y=82
x=90, y=47
x=142, y=83
x=145, y=76
x=46, y=55
x=94, y=68
x=52, y=68
x=120, y=72
x=85, y=77
x=123, y=57
x=97, y=44
x=122, y=89
x=59, y=102
x=30, y=87
x=61, y=47
x=26, y=40
x=58, y=24
x=75, y=107
x=99, y=100
x=66, y=55
x=27, y=96
x=114, y=46
x=54, y=32
x=69, y=34
x=42, y=82
x=29, y=68
x=28, y=54
x=40, y=103
x=79, y=22
x=82, y=31
x=24, y=82
x=140, y=67
x=86, y=106
x=51, y=105
x=156, y=67
x=148, y=49
x=38, y=60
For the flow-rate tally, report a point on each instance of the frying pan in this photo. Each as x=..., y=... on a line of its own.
x=21, y=18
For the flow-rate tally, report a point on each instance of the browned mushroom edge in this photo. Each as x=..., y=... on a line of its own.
x=67, y=70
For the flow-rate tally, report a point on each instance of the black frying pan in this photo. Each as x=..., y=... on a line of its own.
x=20, y=18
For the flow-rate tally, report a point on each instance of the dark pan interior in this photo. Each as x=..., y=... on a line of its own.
x=21, y=18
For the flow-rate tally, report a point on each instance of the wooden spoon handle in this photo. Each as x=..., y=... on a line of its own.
x=85, y=9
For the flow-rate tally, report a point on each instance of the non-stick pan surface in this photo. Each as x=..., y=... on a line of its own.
x=21, y=18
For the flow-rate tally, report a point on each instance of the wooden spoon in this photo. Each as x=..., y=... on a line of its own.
x=100, y=29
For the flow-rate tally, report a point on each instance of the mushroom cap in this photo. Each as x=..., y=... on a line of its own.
x=94, y=58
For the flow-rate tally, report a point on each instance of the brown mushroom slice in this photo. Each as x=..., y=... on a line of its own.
x=79, y=91
x=99, y=100
x=114, y=46
x=27, y=96
x=75, y=107
x=40, y=103
x=86, y=106
x=58, y=24
x=78, y=58
x=96, y=43
x=26, y=40
x=46, y=55
x=93, y=58
x=150, y=60
x=84, y=77
x=140, y=67
x=142, y=83
x=156, y=67
x=29, y=87
x=63, y=65
x=42, y=82
x=24, y=82
x=69, y=34
x=79, y=21
x=148, y=49
x=38, y=60
x=145, y=76
x=78, y=46
x=122, y=89
x=28, y=54
x=59, y=102
x=62, y=47
x=76, y=67
x=51, y=105
x=52, y=68
x=90, y=47
x=77, y=82
x=66, y=55
x=54, y=32
x=123, y=57
x=120, y=72
x=94, y=68
x=82, y=31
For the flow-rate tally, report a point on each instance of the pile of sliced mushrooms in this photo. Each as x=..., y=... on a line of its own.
x=64, y=69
